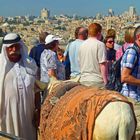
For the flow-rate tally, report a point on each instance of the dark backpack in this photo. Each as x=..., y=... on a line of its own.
x=115, y=73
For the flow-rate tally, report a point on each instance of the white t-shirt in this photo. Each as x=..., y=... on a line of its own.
x=91, y=53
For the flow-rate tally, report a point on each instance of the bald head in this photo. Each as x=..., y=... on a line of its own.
x=81, y=33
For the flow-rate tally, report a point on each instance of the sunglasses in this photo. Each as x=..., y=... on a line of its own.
x=110, y=42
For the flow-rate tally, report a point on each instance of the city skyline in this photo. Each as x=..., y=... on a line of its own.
x=57, y=7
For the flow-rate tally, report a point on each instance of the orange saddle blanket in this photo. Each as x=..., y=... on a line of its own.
x=73, y=116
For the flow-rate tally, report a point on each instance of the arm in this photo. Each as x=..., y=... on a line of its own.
x=102, y=58
x=36, y=117
x=31, y=54
x=37, y=101
x=52, y=73
x=66, y=51
x=129, y=61
x=104, y=71
x=126, y=77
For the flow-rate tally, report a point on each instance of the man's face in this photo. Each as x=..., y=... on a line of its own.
x=13, y=52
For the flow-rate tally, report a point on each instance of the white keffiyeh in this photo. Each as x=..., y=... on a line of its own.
x=28, y=65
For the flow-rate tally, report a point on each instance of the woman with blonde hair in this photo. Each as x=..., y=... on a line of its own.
x=129, y=41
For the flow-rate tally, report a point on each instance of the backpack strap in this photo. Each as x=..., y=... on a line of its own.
x=123, y=49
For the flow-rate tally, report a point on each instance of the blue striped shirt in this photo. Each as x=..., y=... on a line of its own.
x=129, y=60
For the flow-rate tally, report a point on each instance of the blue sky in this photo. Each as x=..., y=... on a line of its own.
x=69, y=7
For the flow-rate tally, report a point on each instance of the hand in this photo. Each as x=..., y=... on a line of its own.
x=36, y=118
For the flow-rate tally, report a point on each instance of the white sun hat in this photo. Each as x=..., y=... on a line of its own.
x=51, y=38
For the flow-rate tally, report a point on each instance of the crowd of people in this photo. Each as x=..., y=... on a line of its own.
x=87, y=59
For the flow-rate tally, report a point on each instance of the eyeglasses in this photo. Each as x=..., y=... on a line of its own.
x=110, y=42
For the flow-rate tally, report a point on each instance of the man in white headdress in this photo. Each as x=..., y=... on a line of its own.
x=17, y=98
